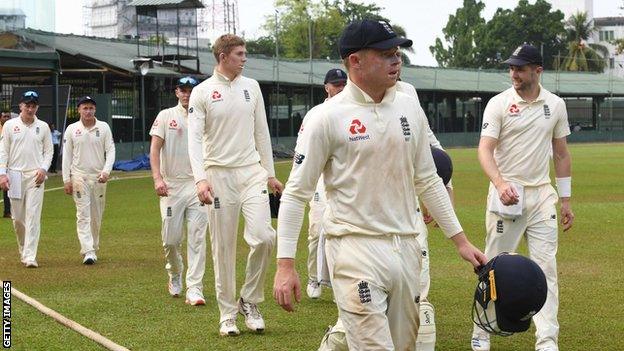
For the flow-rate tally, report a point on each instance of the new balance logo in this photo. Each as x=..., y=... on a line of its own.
x=364, y=292
x=298, y=158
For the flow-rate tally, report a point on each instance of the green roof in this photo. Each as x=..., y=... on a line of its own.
x=118, y=54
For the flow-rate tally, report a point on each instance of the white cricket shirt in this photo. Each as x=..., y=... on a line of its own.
x=375, y=159
x=228, y=125
x=171, y=125
x=25, y=147
x=87, y=151
x=525, y=131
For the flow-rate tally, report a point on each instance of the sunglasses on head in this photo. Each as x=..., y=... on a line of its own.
x=31, y=93
x=187, y=81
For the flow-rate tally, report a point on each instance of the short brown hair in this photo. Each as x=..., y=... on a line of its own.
x=225, y=43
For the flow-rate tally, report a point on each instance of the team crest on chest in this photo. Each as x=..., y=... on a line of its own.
x=546, y=111
x=37, y=130
x=97, y=133
x=216, y=96
x=406, y=128
x=246, y=95
x=358, y=131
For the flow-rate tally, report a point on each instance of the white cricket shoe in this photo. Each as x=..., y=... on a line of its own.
x=314, y=289
x=89, y=258
x=194, y=297
x=479, y=344
x=253, y=318
x=30, y=264
x=175, y=285
x=228, y=328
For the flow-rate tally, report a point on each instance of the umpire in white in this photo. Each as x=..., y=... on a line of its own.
x=520, y=127
x=232, y=161
x=88, y=157
x=370, y=142
x=25, y=155
x=173, y=182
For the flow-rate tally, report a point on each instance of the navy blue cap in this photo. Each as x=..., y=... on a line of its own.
x=520, y=286
x=364, y=34
x=85, y=99
x=524, y=55
x=30, y=96
x=443, y=163
x=335, y=75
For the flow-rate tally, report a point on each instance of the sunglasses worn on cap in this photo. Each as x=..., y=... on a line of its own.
x=187, y=81
x=31, y=93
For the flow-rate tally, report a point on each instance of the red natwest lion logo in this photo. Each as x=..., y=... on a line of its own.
x=514, y=109
x=216, y=95
x=357, y=127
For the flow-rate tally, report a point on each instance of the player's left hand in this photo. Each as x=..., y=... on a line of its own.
x=103, y=177
x=286, y=283
x=275, y=185
x=469, y=252
x=40, y=176
x=567, y=216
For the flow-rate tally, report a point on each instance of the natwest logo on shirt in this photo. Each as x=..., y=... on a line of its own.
x=514, y=110
x=78, y=132
x=216, y=96
x=16, y=129
x=358, y=129
x=173, y=124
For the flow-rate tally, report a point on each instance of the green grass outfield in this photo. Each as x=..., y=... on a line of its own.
x=124, y=295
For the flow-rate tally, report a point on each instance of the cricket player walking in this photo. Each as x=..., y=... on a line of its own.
x=174, y=183
x=88, y=157
x=25, y=155
x=370, y=225
x=232, y=162
x=335, y=81
x=519, y=127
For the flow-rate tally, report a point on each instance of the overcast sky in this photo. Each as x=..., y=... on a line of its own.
x=423, y=20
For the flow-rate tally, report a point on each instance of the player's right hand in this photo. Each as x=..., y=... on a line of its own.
x=286, y=283
x=161, y=187
x=69, y=188
x=4, y=182
x=204, y=192
x=507, y=194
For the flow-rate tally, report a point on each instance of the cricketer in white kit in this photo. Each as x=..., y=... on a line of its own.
x=174, y=183
x=232, y=162
x=520, y=125
x=88, y=157
x=25, y=155
x=370, y=143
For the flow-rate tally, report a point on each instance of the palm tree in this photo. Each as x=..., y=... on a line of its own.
x=583, y=56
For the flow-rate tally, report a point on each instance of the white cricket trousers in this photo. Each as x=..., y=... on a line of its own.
x=538, y=224
x=90, y=199
x=236, y=190
x=26, y=213
x=182, y=204
x=376, y=282
x=315, y=218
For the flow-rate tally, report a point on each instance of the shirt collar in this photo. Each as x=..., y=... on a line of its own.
x=181, y=109
x=361, y=97
x=222, y=78
x=540, y=97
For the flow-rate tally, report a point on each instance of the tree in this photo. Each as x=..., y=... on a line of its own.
x=264, y=45
x=583, y=56
x=459, y=34
x=534, y=24
x=472, y=42
x=325, y=20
